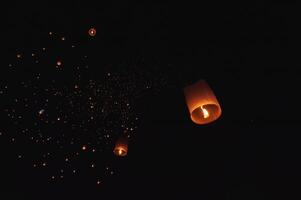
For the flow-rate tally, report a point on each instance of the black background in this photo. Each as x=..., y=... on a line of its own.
x=248, y=54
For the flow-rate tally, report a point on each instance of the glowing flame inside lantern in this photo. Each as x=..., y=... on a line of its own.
x=205, y=112
x=121, y=147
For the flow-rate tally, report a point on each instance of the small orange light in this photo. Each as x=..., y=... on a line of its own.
x=205, y=112
x=92, y=32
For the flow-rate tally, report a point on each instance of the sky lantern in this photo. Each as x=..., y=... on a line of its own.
x=121, y=147
x=58, y=63
x=202, y=103
x=92, y=32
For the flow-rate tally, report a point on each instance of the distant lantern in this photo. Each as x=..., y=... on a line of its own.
x=121, y=147
x=92, y=32
x=59, y=63
x=202, y=103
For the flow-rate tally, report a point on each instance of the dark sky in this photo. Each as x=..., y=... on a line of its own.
x=246, y=51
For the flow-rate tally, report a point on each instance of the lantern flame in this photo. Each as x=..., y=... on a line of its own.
x=205, y=113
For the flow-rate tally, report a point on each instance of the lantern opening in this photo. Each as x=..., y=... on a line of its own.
x=120, y=151
x=205, y=113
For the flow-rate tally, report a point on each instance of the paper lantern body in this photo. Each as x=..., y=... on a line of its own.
x=202, y=103
x=121, y=147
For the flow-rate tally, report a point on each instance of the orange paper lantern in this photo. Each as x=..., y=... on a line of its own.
x=92, y=32
x=121, y=147
x=202, y=103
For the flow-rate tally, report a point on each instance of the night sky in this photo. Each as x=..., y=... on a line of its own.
x=67, y=96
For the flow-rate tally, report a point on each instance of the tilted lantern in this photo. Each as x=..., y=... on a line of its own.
x=202, y=103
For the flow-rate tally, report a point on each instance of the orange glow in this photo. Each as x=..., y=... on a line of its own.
x=202, y=103
x=92, y=32
x=121, y=147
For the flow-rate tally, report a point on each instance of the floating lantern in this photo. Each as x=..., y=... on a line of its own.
x=121, y=147
x=92, y=32
x=59, y=63
x=202, y=103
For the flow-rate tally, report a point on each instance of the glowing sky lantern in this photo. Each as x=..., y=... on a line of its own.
x=58, y=63
x=202, y=103
x=92, y=32
x=121, y=147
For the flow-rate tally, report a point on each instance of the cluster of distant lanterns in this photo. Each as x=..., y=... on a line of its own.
x=202, y=104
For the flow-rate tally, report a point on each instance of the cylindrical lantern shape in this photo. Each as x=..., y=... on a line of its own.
x=202, y=103
x=121, y=147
